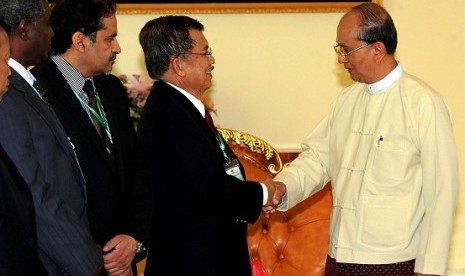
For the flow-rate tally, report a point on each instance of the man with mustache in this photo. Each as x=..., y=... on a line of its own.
x=93, y=107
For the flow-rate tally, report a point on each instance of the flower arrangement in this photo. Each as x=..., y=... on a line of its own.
x=138, y=87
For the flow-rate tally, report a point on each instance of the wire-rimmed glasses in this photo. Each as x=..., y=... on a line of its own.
x=340, y=51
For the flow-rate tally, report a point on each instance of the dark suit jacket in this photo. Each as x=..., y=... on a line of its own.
x=18, y=237
x=119, y=189
x=200, y=212
x=37, y=144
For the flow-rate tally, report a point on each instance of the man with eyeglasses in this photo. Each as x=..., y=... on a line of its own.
x=202, y=203
x=388, y=149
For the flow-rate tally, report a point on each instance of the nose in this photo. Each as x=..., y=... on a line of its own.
x=341, y=59
x=212, y=58
x=116, y=47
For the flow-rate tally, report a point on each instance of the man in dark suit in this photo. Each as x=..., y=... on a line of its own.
x=75, y=78
x=18, y=236
x=36, y=142
x=201, y=199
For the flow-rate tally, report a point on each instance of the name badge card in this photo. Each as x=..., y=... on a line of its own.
x=232, y=168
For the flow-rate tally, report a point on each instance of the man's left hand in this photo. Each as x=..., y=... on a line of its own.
x=118, y=255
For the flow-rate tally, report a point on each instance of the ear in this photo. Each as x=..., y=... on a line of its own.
x=79, y=41
x=380, y=51
x=177, y=65
x=24, y=28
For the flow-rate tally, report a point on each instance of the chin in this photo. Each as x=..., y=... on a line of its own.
x=108, y=69
x=355, y=78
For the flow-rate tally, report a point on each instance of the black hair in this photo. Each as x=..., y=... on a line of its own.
x=70, y=16
x=164, y=37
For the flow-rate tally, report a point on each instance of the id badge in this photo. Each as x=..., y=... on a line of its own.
x=232, y=168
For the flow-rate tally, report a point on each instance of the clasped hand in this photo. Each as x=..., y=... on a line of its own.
x=119, y=253
x=276, y=191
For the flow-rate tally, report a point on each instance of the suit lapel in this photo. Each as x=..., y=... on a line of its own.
x=66, y=97
x=200, y=122
x=49, y=117
x=195, y=115
x=44, y=111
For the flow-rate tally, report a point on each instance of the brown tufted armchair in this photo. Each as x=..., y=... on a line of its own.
x=288, y=243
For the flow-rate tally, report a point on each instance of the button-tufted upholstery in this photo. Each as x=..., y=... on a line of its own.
x=288, y=243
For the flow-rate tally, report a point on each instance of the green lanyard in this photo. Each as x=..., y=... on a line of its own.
x=102, y=119
x=222, y=146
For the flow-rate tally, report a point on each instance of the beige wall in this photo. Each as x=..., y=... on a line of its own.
x=276, y=74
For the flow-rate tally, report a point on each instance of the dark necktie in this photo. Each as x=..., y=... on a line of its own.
x=89, y=89
x=210, y=123
x=41, y=91
x=90, y=92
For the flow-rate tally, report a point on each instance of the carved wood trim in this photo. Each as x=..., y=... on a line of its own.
x=256, y=145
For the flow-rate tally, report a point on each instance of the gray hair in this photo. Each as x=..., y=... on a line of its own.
x=376, y=25
x=13, y=11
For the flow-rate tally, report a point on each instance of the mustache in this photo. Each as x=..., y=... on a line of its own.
x=113, y=57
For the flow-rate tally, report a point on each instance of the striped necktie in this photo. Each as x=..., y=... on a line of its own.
x=40, y=90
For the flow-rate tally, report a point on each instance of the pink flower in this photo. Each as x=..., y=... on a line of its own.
x=138, y=87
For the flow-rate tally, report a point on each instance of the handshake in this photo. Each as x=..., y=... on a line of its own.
x=276, y=192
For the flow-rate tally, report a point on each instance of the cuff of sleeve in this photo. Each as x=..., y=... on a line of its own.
x=265, y=194
x=283, y=205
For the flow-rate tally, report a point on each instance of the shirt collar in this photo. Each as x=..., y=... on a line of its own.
x=71, y=74
x=23, y=72
x=387, y=81
x=196, y=102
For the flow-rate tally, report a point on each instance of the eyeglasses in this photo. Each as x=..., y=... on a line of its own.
x=209, y=52
x=340, y=51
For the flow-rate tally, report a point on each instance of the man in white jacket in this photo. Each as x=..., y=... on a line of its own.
x=388, y=149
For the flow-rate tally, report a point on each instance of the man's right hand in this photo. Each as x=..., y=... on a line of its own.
x=276, y=191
